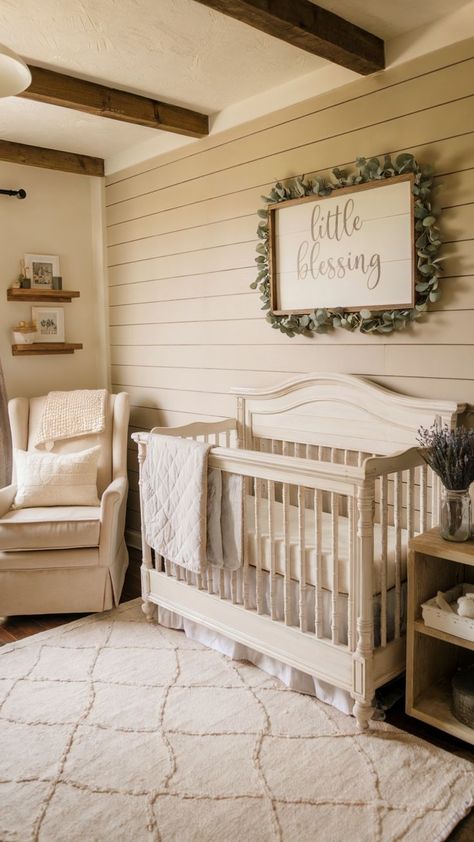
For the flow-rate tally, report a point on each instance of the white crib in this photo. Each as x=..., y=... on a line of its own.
x=335, y=487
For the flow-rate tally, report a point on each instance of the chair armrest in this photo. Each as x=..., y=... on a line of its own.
x=112, y=518
x=7, y=496
x=112, y=496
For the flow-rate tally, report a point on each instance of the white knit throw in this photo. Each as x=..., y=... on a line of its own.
x=70, y=414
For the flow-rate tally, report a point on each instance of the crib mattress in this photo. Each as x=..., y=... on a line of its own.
x=344, y=572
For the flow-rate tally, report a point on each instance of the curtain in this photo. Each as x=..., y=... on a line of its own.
x=5, y=440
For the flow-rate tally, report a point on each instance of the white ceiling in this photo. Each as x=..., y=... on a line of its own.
x=175, y=50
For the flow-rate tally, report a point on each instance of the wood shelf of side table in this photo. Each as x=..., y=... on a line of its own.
x=433, y=656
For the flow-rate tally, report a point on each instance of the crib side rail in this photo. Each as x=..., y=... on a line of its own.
x=376, y=466
x=327, y=476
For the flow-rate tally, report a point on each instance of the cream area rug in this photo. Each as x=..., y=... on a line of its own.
x=112, y=729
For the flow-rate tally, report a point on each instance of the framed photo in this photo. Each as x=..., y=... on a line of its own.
x=49, y=323
x=41, y=269
x=353, y=249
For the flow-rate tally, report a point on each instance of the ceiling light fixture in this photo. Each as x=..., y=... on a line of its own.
x=15, y=75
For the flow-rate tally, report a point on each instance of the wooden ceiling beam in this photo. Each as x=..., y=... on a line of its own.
x=311, y=28
x=69, y=92
x=51, y=159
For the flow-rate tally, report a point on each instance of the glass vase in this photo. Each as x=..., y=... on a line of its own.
x=455, y=515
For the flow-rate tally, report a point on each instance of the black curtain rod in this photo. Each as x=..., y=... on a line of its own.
x=20, y=194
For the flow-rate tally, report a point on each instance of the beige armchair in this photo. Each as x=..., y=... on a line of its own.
x=59, y=559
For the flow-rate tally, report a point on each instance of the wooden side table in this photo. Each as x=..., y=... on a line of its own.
x=433, y=656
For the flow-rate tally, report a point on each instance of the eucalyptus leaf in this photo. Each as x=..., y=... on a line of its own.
x=420, y=212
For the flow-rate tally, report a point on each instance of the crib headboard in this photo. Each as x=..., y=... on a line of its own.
x=337, y=411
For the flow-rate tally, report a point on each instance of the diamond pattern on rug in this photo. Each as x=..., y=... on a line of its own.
x=114, y=729
x=70, y=698
x=122, y=761
x=82, y=815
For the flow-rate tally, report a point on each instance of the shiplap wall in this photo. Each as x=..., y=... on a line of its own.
x=181, y=250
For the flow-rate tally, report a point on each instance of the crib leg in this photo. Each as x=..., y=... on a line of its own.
x=363, y=712
x=148, y=609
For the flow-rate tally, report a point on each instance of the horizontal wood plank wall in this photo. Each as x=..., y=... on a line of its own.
x=184, y=325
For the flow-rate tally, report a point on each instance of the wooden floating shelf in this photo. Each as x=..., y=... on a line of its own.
x=49, y=295
x=36, y=348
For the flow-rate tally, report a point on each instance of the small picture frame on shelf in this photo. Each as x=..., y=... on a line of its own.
x=41, y=269
x=49, y=323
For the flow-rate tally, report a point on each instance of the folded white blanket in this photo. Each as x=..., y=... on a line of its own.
x=191, y=516
x=69, y=414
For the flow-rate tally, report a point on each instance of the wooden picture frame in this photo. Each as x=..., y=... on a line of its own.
x=41, y=269
x=49, y=323
x=362, y=238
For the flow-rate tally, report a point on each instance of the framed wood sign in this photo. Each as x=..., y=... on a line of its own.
x=353, y=249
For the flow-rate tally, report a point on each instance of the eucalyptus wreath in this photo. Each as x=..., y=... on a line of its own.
x=428, y=242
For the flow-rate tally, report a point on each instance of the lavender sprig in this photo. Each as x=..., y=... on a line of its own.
x=450, y=453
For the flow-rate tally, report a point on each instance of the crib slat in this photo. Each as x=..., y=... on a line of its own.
x=351, y=541
x=221, y=584
x=210, y=580
x=398, y=549
x=318, y=591
x=335, y=566
x=424, y=499
x=383, y=567
x=302, y=558
x=286, y=548
x=411, y=503
x=258, y=547
x=233, y=587
x=246, y=534
x=271, y=531
x=435, y=498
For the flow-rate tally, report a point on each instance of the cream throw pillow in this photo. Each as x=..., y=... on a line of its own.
x=53, y=479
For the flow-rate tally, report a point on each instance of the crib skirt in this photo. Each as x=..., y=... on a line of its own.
x=294, y=679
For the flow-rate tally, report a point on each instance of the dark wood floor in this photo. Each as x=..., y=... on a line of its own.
x=17, y=628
